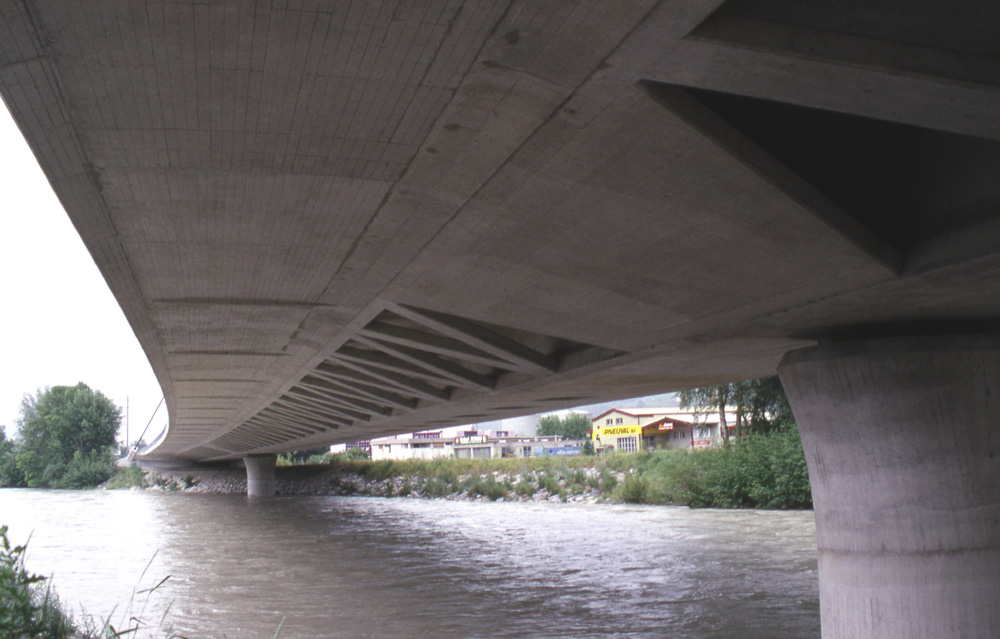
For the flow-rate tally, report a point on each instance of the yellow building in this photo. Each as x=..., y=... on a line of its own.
x=628, y=430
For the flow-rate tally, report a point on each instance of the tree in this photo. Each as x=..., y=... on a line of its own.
x=760, y=404
x=572, y=426
x=10, y=474
x=66, y=437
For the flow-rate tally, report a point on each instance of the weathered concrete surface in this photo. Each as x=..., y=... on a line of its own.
x=260, y=475
x=328, y=222
x=903, y=445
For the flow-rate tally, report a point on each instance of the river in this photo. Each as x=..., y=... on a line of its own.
x=352, y=567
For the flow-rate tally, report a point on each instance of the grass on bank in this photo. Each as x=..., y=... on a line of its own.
x=30, y=609
x=762, y=471
x=27, y=608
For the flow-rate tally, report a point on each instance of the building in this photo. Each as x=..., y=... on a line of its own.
x=629, y=430
x=471, y=444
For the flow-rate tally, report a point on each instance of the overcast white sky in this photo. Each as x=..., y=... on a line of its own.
x=59, y=322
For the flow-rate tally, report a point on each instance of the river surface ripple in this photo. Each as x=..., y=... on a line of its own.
x=371, y=567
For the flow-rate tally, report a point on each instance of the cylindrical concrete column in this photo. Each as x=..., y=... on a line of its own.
x=260, y=475
x=902, y=440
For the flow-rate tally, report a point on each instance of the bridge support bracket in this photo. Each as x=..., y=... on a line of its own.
x=902, y=440
x=260, y=475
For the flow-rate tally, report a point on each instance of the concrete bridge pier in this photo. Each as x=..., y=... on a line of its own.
x=902, y=440
x=260, y=475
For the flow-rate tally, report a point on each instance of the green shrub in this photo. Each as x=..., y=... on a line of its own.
x=525, y=486
x=633, y=490
x=382, y=469
x=608, y=480
x=315, y=460
x=10, y=474
x=26, y=610
x=131, y=477
x=487, y=487
x=85, y=471
x=762, y=471
x=436, y=487
x=550, y=482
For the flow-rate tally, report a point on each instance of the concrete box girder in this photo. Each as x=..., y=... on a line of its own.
x=261, y=186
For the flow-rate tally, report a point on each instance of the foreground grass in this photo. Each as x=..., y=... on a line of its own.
x=30, y=609
x=764, y=471
x=27, y=608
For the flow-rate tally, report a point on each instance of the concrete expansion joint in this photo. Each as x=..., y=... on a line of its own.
x=866, y=555
x=902, y=339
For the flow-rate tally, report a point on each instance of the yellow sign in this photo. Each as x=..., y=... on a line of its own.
x=616, y=431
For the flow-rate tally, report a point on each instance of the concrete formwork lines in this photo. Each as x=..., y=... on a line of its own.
x=357, y=380
x=303, y=113
x=17, y=41
x=279, y=416
x=336, y=399
x=404, y=64
x=481, y=338
x=247, y=438
x=389, y=362
x=202, y=28
x=293, y=430
x=396, y=381
x=715, y=128
x=353, y=388
x=256, y=91
x=429, y=342
x=363, y=78
x=302, y=412
x=307, y=407
x=289, y=90
x=441, y=367
x=283, y=415
x=354, y=413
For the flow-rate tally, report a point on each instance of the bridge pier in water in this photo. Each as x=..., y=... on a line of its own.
x=902, y=439
x=260, y=475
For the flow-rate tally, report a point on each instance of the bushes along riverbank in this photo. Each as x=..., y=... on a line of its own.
x=763, y=471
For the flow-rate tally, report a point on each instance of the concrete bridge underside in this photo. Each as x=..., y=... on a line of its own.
x=331, y=221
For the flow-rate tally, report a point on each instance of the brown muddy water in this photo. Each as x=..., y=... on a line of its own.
x=350, y=567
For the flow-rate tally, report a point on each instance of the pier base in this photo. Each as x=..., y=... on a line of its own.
x=260, y=475
x=902, y=440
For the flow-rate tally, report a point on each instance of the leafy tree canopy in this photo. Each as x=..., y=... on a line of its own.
x=572, y=426
x=66, y=434
x=10, y=474
x=760, y=405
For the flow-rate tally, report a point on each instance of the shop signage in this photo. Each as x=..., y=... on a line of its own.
x=615, y=431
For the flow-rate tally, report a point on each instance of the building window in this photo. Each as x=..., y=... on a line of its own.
x=627, y=444
x=619, y=420
x=608, y=421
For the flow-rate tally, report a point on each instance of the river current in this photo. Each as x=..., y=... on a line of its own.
x=352, y=567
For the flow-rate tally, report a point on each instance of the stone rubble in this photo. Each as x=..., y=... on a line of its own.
x=324, y=480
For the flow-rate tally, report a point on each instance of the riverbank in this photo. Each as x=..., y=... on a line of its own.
x=442, y=479
x=766, y=471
